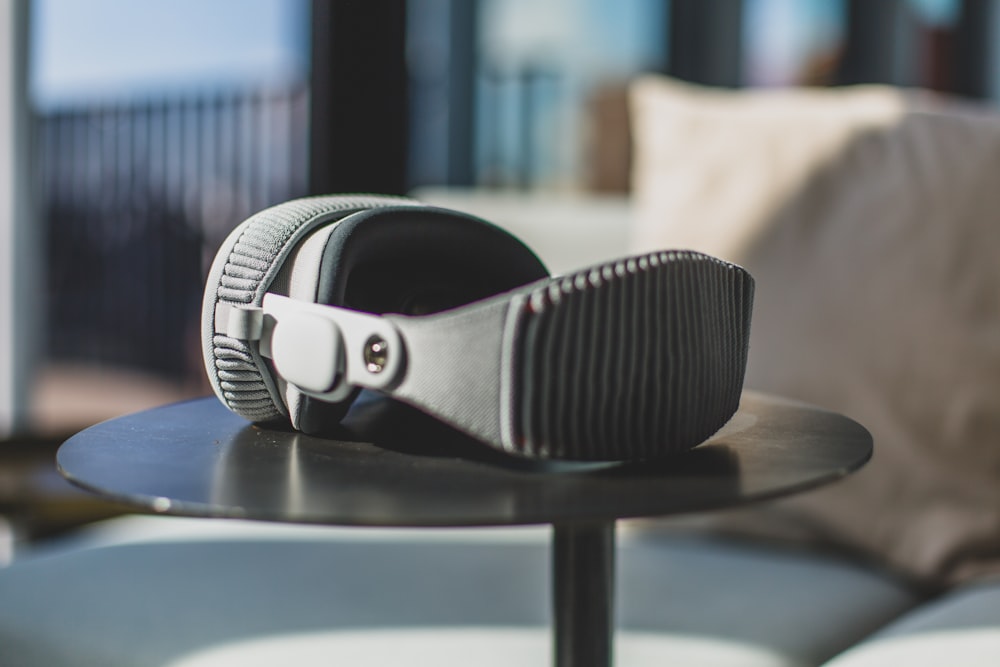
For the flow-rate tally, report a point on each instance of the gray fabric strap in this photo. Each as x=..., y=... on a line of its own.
x=629, y=360
x=454, y=367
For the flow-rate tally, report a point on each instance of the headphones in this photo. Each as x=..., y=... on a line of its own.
x=313, y=300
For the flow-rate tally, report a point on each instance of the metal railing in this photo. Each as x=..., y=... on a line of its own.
x=136, y=197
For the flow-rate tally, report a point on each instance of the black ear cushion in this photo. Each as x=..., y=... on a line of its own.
x=414, y=261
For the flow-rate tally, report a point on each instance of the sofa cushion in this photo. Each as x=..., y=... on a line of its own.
x=962, y=628
x=799, y=605
x=868, y=217
x=195, y=593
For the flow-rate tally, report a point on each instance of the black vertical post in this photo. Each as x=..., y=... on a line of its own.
x=463, y=65
x=358, y=112
x=583, y=582
x=706, y=42
x=871, y=44
x=527, y=78
x=973, y=56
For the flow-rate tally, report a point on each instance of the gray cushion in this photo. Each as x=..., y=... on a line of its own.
x=799, y=605
x=867, y=216
x=962, y=628
x=227, y=591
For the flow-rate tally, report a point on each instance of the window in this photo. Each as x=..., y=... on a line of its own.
x=160, y=126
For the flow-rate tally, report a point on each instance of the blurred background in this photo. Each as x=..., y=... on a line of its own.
x=138, y=134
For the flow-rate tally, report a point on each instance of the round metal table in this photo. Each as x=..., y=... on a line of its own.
x=390, y=465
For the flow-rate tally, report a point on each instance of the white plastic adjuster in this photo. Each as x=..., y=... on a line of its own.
x=239, y=321
x=324, y=350
x=308, y=351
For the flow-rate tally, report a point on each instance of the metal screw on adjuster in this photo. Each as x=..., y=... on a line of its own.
x=376, y=354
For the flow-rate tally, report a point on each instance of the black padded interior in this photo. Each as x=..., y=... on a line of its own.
x=419, y=261
x=414, y=262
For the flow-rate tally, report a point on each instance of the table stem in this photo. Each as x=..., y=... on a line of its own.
x=583, y=571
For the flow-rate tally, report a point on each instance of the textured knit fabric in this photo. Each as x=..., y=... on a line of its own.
x=246, y=265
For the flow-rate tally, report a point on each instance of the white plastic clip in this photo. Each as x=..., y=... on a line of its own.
x=239, y=322
x=326, y=350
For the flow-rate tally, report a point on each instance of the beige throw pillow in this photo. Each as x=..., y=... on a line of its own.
x=870, y=218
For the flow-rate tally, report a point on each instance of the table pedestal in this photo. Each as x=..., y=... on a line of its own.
x=583, y=587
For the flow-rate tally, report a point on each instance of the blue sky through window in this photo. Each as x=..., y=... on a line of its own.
x=122, y=48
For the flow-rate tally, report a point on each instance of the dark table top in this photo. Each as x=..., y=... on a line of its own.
x=392, y=466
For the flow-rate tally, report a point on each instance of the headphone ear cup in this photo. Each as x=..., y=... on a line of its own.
x=372, y=254
x=246, y=265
